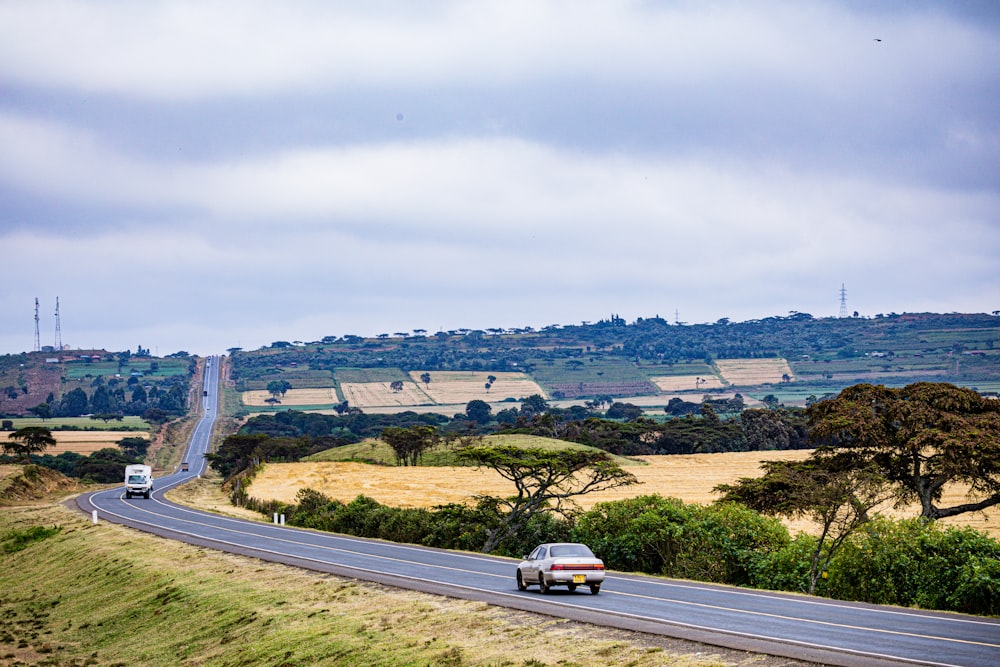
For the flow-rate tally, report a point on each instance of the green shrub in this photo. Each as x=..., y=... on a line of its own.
x=920, y=564
x=785, y=568
x=720, y=543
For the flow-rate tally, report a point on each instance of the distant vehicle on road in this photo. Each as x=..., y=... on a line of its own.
x=561, y=564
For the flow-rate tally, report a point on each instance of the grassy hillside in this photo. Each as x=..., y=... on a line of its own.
x=105, y=595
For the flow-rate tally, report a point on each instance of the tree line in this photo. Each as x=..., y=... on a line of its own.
x=709, y=427
x=105, y=466
x=113, y=398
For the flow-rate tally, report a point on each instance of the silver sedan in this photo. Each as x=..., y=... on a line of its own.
x=561, y=564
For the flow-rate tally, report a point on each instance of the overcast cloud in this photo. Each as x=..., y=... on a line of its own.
x=203, y=175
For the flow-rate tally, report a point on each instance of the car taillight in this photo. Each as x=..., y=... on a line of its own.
x=560, y=567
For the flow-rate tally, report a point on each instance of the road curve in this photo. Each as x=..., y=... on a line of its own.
x=794, y=626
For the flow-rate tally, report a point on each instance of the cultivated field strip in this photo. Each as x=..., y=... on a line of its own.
x=750, y=372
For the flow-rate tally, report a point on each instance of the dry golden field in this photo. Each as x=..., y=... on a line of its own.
x=690, y=478
x=87, y=442
x=458, y=388
x=687, y=382
x=445, y=388
x=322, y=396
x=380, y=394
x=744, y=372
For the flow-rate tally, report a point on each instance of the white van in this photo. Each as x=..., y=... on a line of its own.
x=138, y=481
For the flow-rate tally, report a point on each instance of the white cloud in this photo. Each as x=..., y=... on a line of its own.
x=180, y=50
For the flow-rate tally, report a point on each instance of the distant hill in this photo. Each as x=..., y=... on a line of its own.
x=110, y=382
x=791, y=358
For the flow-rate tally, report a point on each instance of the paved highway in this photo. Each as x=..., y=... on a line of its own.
x=801, y=627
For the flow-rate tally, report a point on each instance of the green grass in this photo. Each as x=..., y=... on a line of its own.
x=587, y=369
x=378, y=452
x=370, y=375
x=108, y=595
x=166, y=368
x=130, y=423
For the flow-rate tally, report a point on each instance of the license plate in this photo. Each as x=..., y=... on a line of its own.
x=579, y=578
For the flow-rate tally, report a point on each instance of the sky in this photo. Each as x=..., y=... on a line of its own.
x=196, y=176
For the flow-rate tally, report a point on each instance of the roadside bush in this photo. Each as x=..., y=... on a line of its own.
x=920, y=564
x=720, y=543
x=785, y=568
x=449, y=527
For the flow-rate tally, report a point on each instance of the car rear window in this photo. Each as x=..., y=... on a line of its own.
x=571, y=550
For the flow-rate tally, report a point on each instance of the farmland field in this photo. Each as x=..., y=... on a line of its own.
x=127, y=423
x=380, y=394
x=456, y=387
x=687, y=382
x=87, y=442
x=688, y=477
x=322, y=396
x=743, y=372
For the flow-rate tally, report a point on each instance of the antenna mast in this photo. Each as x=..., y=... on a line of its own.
x=843, y=300
x=38, y=342
x=58, y=328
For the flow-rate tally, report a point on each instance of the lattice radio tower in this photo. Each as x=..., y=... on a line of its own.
x=843, y=300
x=38, y=341
x=58, y=328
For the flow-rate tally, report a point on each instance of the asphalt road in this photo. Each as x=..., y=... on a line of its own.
x=794, y=626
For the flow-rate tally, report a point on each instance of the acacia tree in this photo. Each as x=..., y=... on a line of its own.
x=278, y=387
x=27, y=441
x=920, y=437
x=409, y=444
x=545, y=479
x=827, y=488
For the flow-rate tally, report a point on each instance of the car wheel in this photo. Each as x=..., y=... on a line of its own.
x=521, y=586
x=128, y=495
x=595, y=589
x=542, y=586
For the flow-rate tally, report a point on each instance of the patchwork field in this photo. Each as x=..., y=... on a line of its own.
x=445, y=388
x=688, y=477
x=456, y=387
x=380, y=394
x=320, y=396
x=687, y=382
x=743, y=372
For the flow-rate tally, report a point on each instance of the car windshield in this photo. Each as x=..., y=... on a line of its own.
x=136, y=479
x=562, y=550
